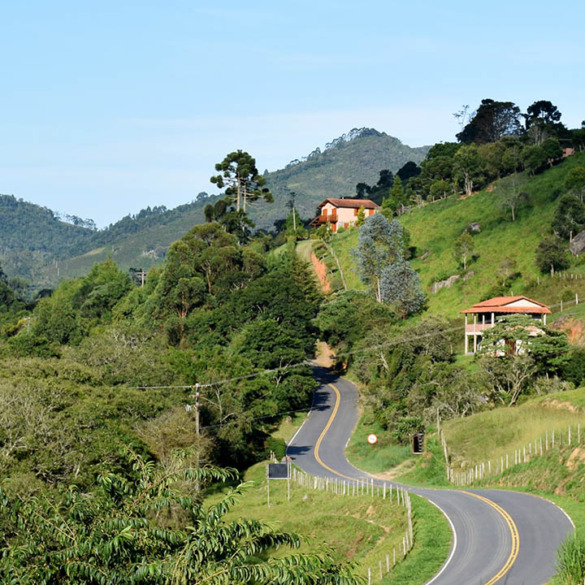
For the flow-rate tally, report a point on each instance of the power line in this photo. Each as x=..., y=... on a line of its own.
x=305, y=363
x=390, y=343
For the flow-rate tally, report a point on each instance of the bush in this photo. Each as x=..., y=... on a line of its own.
x=571, y=561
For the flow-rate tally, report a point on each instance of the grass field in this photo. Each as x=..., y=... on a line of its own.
x=379, y=457
x=435, y=227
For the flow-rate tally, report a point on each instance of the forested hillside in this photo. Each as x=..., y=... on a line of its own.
x=96, y=382
x=32, y=238
x=357, y=157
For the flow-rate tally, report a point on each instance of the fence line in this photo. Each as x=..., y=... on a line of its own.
x=554, y=439
x=367, y=487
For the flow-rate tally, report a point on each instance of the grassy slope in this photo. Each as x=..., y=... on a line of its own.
x=558, y=475
x=492, y=434
x=360, y=529
x=435, y=227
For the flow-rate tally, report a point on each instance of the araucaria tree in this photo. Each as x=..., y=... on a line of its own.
x=243, y=184
x=380, y=243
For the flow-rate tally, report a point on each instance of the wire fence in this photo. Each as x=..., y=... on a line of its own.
x=367, y=487
x=571, y=436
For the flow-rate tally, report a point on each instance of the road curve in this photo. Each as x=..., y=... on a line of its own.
x=499, y=537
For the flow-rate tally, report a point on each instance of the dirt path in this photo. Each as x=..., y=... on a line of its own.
x=305, y=251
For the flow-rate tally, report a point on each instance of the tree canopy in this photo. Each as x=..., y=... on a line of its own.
x=242, y=182
x=491, y=122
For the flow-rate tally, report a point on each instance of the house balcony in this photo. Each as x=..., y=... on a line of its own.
x=477, y=327
x=321, y=219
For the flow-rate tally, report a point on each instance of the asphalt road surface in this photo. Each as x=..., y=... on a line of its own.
x=499, y=537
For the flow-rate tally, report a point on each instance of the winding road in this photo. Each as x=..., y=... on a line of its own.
x=499, y=537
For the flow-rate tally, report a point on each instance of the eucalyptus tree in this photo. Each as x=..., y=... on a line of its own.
x=400, y=286
x=492, y=121
x=380, y=242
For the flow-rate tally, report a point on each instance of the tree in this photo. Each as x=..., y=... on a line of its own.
x=569, y=217
x=291, y=205
x=468, y=167
x=512, y=157
x=542, y=120
x=463, y=249
x=534, y=158
x=380, y=243
x=552, y=149
x=512, y=197
x=575, y=182
x=551, y=254
x=492, y=121
x=516, y=348
x=243, y=184
x=578, y=139
x=400, y=286
x=407, y=171
x=508, y=375
x=144, y=527
x=396, y=196
x=439, y=189
x=380, y=190
x=507, y=270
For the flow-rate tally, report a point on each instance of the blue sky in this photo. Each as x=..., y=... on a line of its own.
x=108, y=107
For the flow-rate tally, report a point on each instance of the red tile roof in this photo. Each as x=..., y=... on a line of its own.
x=502, y=305
x=352, y=203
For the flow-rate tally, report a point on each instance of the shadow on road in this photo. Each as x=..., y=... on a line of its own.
x=296, y=450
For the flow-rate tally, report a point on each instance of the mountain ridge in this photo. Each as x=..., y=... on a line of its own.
x=38, y=245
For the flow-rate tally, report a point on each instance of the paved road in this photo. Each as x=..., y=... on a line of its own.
x=499, y=537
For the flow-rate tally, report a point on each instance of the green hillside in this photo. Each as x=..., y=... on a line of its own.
x=32, y=238
x=133, y=243
x=435, y=227
x=38, y=246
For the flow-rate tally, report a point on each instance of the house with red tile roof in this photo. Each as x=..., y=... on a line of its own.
x=343, y=212
x=486, y=314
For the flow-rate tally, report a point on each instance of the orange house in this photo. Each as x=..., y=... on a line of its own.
x=343, y=212
x=486, y=313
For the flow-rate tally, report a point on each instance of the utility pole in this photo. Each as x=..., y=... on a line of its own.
x=195, y=406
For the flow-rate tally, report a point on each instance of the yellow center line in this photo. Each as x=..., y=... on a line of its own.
x=322, y=435
x=515, y=537
x=515, y=548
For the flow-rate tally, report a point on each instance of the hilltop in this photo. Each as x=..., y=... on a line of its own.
x=39, y=246
x=356, y=157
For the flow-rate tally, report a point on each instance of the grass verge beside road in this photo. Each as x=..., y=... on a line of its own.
x=358, y=529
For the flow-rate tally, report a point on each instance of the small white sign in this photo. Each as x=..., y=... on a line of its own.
x=372, y=439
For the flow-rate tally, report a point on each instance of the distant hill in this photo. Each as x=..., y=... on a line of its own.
x=355, y=157
x=33, y=238
x=35, y=244
x=43, y=248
